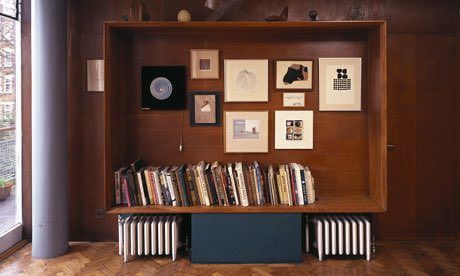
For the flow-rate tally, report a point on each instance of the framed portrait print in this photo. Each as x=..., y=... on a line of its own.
x=205, y=109
x=163, y=87
x=339, y=84
x=294, y=129
x=294, y=74
x=246, y=131
x=204, y=63
x=246, y=80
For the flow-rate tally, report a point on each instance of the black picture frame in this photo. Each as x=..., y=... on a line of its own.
x=218, y=108
x=169, y=82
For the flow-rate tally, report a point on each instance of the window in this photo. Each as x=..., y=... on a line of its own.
x=8, y=58
x=8, y=110
x=10, y=125
x=8, y=84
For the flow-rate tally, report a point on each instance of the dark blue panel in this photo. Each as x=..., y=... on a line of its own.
x=246, y=238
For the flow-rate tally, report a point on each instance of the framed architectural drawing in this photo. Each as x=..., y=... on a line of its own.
x=246, y=80
x=246, y=131
x=294, y=74
x=340, y=84
x=293, y=129
x=204, y=63
x=205, y=109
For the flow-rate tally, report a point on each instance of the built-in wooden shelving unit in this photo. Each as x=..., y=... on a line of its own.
x=349, y=159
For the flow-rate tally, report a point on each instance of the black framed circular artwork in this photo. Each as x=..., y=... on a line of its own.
x=163, y=87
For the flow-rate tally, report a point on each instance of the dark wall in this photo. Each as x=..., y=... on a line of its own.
x=423, y=102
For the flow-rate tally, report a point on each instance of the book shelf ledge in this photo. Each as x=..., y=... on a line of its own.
x=322, y=205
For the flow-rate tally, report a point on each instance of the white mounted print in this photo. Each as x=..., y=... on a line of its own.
x=294, y=129
x=293, y=99
x=246, y=80
x=340, y=84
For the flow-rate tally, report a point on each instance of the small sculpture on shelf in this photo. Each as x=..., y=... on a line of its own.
x=313, y=14
x=355, y=13
x=184, y=16
x=282, y=17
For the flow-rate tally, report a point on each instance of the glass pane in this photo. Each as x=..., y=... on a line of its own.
x=10, y=146
x=8, y=7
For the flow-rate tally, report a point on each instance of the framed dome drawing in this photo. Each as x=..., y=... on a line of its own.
x=163, y=87
x=246, y=80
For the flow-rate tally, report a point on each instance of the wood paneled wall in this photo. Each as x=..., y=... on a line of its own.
x=423, y=102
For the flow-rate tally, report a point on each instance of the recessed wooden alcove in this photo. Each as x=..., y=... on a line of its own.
x=349, y=159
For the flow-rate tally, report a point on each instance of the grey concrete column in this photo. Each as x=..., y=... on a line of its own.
x=49, y=128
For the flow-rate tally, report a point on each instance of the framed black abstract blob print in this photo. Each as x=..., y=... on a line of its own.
x=163, y=88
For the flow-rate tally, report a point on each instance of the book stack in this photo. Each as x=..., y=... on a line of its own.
x=213, y=184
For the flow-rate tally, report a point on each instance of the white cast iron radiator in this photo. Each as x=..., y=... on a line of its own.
x=339, y=235
x=148, y=235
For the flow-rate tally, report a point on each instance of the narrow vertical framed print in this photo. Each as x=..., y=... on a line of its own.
x=205, y=109
x=340, y=84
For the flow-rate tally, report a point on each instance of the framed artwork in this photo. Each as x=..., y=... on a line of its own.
x=293, y=99
x=163, y=87
x=294, y=129
x=294, y=74
x=205, y=109
x=339, y=84
x=246, y=131
x=204, y=63
x=95, y=75
x=246, y=80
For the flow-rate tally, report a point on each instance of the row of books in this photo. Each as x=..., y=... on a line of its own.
x=213, y=184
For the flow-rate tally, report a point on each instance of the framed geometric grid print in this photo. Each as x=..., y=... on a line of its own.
x=339, y=84
x=293, y=129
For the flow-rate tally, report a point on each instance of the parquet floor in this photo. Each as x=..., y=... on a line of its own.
x=392, y=258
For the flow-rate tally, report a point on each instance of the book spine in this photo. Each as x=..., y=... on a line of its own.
x=303, y=182
x=141, y=188
x=232, y=180
x=192, y=187
x=243, y=192
x=168, y=189
x=198, y=186
x=204, y=188
x=249, y=183
x=117, y=188
x=211, y=187
x=255, y=186
x=150, y=188
x=226, y=188
x=135, y=197
x=177, y=197
x=259, y=184
x=126, y=189
x=158, y=186
x=182, y=187
x=217, y=185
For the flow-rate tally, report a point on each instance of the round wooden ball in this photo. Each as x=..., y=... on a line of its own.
x=184, y=16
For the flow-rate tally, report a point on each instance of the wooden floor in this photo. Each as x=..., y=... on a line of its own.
x=392, y=258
